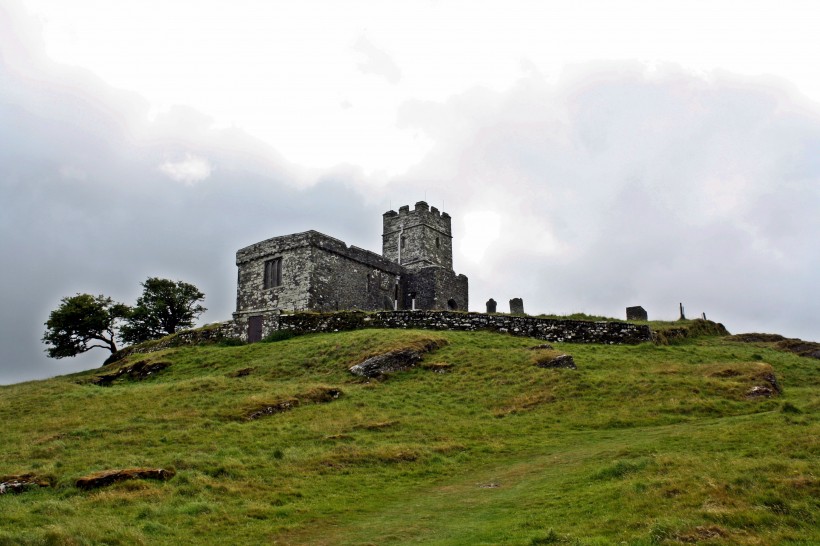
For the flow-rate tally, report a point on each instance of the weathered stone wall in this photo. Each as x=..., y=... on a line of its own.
x=251, y=296
x=438, y=288
x=318, y=272
x=570, y=331
x=427, y=236
x=351, y=280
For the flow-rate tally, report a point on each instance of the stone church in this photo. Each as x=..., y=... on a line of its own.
x=311, y=271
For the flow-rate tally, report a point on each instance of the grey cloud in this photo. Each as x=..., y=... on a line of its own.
x=85, y=208
x=659, y=188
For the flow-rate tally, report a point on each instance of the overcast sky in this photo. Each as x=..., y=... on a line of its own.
x=593, y=155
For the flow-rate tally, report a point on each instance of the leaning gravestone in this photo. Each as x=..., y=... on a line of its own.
x=491, y=305
x=636, y=313
x=516, y=306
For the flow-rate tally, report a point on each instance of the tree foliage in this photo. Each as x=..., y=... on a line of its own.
x=81, y=323
x=164, y=307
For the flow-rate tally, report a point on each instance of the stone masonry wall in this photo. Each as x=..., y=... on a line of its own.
x=427, y=234
x=318, y=272
x=342, y=282
x=569, y=331
x=251, y=297
x=435, y=287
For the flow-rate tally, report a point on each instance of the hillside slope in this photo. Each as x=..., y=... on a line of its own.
x=279, y=443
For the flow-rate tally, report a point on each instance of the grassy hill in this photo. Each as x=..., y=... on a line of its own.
x=279, y=443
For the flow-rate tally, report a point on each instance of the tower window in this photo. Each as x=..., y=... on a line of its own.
x=273, y=273
x=438, y=243
x=403, y=241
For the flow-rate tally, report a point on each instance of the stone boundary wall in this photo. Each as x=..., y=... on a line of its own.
x=213, y=333
x=568, y=331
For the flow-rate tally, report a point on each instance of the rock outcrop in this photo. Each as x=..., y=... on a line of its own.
x=107, y=477
x=141, y=370
x=22, y=482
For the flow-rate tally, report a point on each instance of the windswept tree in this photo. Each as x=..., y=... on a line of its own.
x=164, y=307
x=81, y=323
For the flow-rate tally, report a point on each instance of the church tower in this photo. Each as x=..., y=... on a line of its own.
x=419, y=238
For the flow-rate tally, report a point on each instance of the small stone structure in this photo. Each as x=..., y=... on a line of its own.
x=516, y=306
x=491, y=305
x=636, y=313
x=315, y=272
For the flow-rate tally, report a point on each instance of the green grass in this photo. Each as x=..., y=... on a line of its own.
x=641, y=444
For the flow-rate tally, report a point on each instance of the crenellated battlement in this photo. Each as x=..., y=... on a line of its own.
x=421, y=237
x=421, y=213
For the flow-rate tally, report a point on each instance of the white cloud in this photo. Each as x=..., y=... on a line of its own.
x=617, y=185
x=481, y=229
x=189, y=171
x=376, y=61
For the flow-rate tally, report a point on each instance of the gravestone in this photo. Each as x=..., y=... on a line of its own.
x=636, y=313
x=517, y=306
x=491, y=305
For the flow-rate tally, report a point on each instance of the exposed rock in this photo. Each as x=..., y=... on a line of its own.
x=139, y=371
x=318, y=395
x=321, y=395
x=560, y=361
x=768, y=390
x=22, y=482
x=390, y=362
x=756, y=337
x=207, y=335
x=272, y=409
x=393, y=361
x=808, y=349
x=107, y=477
x=542, y=346
x=760, y=390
